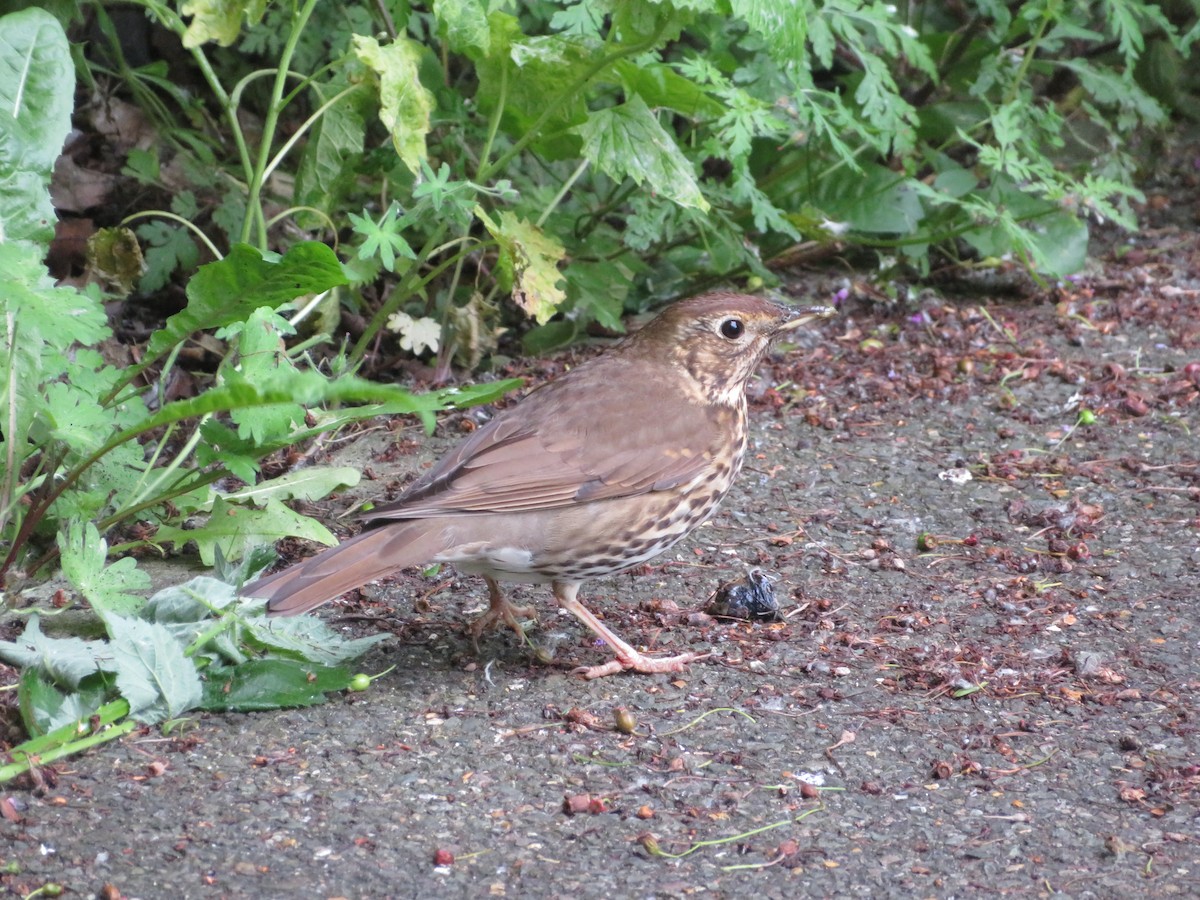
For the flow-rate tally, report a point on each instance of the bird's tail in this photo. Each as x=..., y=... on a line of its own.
x=352, y=563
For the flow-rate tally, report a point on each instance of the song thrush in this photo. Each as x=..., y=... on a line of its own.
x=589, y=475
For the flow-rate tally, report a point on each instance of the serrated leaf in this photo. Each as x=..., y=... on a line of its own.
x=237, y=528
x=309, y=638
x=65, y=661
x=627, y=141
x=303, y=484
x=261, y=684
x=405, y=104
x=230, y=289
x=106, y=587
x=152, y=672
x=170, y=248
x=530, y=258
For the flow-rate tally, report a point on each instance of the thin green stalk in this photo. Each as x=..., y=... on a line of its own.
x=64, y=741
x=567, y=185
x=186, y=223
x=254, y=212
x=303, y=129
x=1027, y=56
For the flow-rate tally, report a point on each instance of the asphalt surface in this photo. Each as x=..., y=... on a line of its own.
x=984, y=683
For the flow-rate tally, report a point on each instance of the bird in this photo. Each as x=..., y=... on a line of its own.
x=589, y=475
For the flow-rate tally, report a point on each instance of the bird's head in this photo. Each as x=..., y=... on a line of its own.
x=720, y=338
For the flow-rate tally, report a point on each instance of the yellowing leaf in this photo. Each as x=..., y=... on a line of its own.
x=404, y=102
x=218, y=20
x=529, y=259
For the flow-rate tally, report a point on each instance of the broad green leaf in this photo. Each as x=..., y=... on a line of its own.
x=405, y=104
x=37, y=94
x=876, y=201
x=260, y=684
x=466, y=25
x=627, y=141
x=529, y=258
x=534, y=79
x=227, y=291
x=152, y=672
x=308, y=638
x=106, y=587
x=237, y=528
x=1060, y=243
x=331, y=155
x=659, y=85
x=65, y=661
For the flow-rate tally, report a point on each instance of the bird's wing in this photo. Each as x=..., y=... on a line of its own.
x=576, y=439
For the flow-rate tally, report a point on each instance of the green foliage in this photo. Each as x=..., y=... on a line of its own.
x=86, y=445
x=194, y=646
x=665, y=142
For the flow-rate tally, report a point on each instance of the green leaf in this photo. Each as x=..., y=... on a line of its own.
x=627, y=141
x=529, y=258
x=784, y=26
x=661, y=86
x=261, y=684
x=308, y=638
x=170, y=247
x=466, y=25
x=1059, y=243
x=260, y=350
x=193, y=601
x=65, y=661
x=303, y=484
x=37, y=94
x=152, y=672
x=44, y=708
x=335, y=148
x=530, y=77
x=875, y=201
x=227, y=291
x=106, y=588
x=237, y=528
x=405, y=104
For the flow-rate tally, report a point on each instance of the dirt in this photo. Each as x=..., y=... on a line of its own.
x=985, y=680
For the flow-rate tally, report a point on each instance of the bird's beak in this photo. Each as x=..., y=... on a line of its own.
x=794, y=318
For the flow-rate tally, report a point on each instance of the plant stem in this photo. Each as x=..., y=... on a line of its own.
x=254, y=213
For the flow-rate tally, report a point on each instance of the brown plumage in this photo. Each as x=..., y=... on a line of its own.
x=591, y=474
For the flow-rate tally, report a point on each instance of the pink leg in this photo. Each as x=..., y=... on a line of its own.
x=627, y=657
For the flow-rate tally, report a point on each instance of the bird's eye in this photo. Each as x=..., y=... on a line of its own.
x=733, y=329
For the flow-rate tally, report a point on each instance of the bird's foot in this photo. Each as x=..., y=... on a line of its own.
x=500, y=612
x=637, y=662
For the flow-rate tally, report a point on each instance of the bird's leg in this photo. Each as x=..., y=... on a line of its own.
x=627, y=657
x=500, y=611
